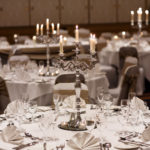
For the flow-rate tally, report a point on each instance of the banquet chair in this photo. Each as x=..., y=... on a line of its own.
x=64, y=85
x=107, y=35
x=23, y=38
x=84, y=33
x=129, y=82
x=18, y=59
x=124, y=52
x=4, y=96
x=129, y=62
x=127, y=35
x=101, y=43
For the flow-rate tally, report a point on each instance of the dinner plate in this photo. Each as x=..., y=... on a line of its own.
x=124, y=146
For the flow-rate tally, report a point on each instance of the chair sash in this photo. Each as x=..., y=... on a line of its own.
x=128, y=82
x=83, y=95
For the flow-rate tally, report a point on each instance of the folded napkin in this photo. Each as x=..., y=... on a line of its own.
x=70, y=102
x=138, y=104
x=23, y=75
x=11, y=135
x=15, y=107
x=83, y=141
x=146, y=134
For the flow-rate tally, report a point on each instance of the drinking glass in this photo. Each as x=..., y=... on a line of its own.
x=108, y=101
x=131, y=95
x=32, y=108
x=90, y=124
x=56, y=98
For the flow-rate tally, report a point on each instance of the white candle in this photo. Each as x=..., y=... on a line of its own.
x=147, y=17
x=34, y=39
x=41, y=29
x=139, y=12
x=58, y=28
x=37, y=29
x=53, y=27
x=61, y=45
x=115, y=37
x=65, y=40
x=47, y=24
x=77, y=34
x=123, y=34
x=94, y=43
x=15, y=36
x=91, y=42
x=132, y=18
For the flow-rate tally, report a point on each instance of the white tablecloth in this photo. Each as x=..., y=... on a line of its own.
x=34, y=89
x=110, y=133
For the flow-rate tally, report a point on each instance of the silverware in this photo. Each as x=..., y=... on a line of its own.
x=134, y=142
x=24, y=146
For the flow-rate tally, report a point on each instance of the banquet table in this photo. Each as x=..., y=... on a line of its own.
x=31, y=48
x=41, y=88
x=110, y=131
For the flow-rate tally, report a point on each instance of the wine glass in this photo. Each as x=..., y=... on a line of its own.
x=56, y=98
x=108, y=101
x=32, y=108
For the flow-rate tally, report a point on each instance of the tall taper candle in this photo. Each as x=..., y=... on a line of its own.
x=147, y=17
x=41, y=29
x=77, y=34
x=47, y=24
x=53, y=28
x=61, y=45
x=132, y=18
x=58, y=28
x=37, y=29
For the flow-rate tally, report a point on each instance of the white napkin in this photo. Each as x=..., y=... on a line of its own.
x=23, y=75
x=11, y=135
x=138, y=104
x=83, y=141
x=15, y=107
x=70, y=102
x=146, y=134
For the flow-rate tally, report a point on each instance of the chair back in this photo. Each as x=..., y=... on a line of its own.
x=65, y=85
x=124, y=52
x=4, y=96
x=129, y=82
x=18, y=59
x=69, y=78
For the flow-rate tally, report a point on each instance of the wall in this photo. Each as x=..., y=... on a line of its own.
x=29, y=12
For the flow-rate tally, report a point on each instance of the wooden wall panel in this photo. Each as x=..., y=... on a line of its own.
x=42, y=9
x=125, y=6
x=102, y=11
x=74, y=11
x=14, y=12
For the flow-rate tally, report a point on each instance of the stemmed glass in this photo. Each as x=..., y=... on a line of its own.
x=56, y=98
x=108, y=101
x=100, y=93
x=32, y=108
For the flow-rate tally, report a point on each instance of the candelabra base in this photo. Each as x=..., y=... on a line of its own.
x=67, y=126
